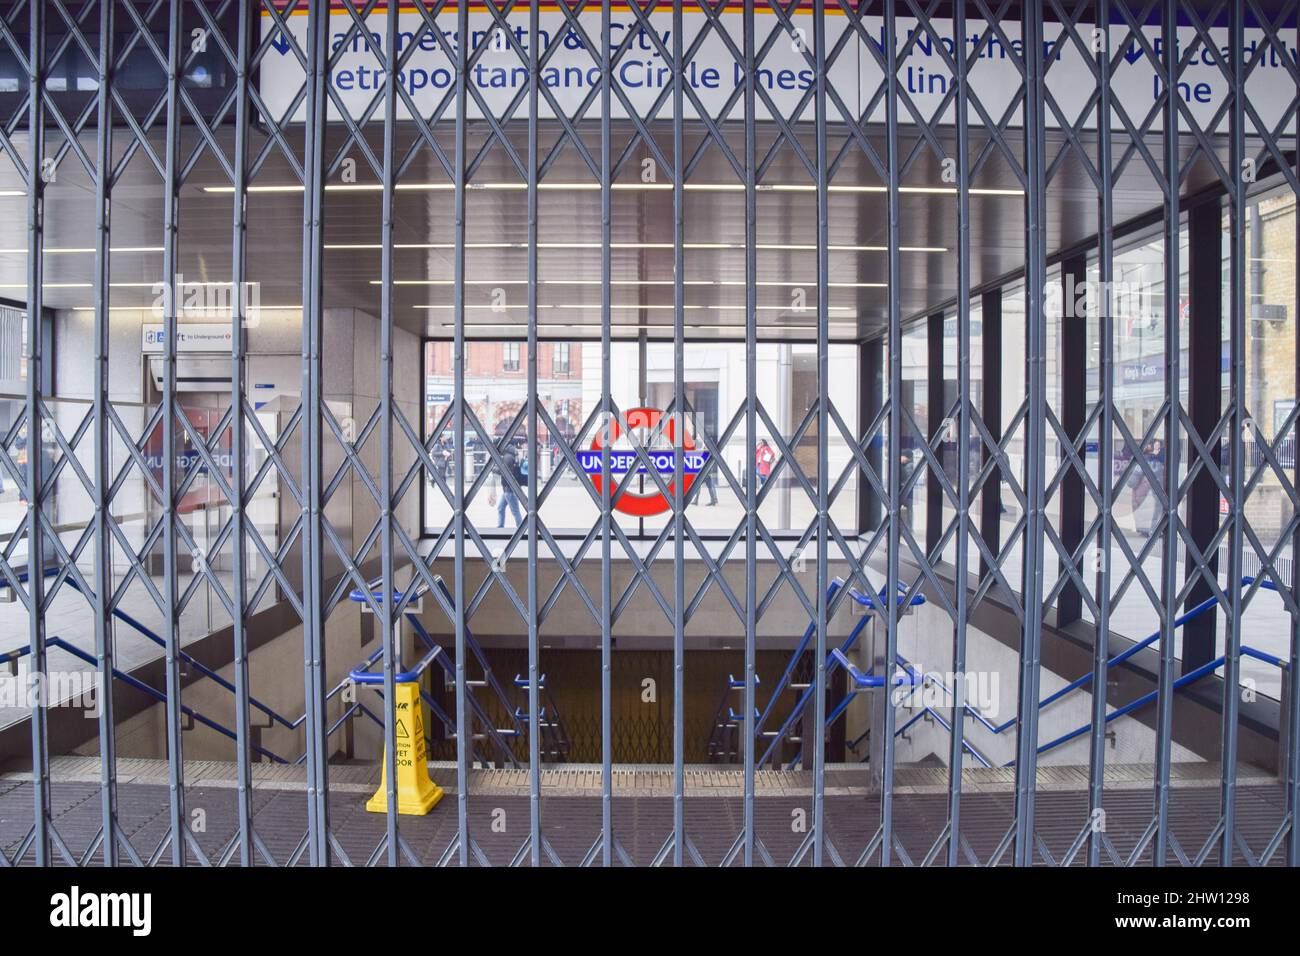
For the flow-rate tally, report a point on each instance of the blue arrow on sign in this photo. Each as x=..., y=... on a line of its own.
x=281, y=43
x=1133, y=53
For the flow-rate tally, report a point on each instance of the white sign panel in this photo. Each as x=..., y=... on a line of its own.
x=644, y=75
x=190, y=337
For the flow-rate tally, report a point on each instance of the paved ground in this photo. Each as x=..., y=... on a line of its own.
x=642, y=811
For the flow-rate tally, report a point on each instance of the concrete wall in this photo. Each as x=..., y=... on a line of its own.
x=276, y=680
x=351, y=379
x=642, y=624
x=274, y=368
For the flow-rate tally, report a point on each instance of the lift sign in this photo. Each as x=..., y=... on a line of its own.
x=622, y=461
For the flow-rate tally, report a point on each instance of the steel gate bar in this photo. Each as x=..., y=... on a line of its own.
x=606, y=499
x=534, y=458
x=1291, y=712
x=1239, y=418
x=1235, y=182
x=239, y=441
x=1035, y=436
x=313, y=539
x=678, y=443
x=35, y=373
x=751, y=430
x=464, y=735
x=171, y=213
x=957, y=734
x=391, y=625
x=885, y=773
x=1106, y=450
x=1169, y=561
x=1071, y=480
x=823, y=423
x=104, y=650
x=35, y=486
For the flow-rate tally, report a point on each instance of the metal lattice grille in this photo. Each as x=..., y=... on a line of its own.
x=865, y=121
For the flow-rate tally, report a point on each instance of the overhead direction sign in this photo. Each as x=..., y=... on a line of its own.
x=643, y=72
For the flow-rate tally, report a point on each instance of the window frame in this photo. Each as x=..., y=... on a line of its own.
x=854, y=528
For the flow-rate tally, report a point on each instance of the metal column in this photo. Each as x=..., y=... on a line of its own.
x=1072, y=345
x=1204, y=400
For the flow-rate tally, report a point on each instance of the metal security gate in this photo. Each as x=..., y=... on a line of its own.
x=108, y=95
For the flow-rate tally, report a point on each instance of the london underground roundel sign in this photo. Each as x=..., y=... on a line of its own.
x=623, y=460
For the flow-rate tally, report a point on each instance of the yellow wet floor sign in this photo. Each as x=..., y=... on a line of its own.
x=416, y=793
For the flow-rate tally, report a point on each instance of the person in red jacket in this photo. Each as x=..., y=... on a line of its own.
x=764, y=458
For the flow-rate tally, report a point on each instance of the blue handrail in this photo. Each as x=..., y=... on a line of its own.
x=725, y=718
x=189, y=660
x=435, y=652
x=909, y=674
x=185, y=658
x=1190, y=677
x=802, y=646
x=866, y=600
x=869, y=601
x=353, y=709
x=363, y=674
x=965, y=744
x=553, y=727
x=1181, y=682
x=807, y=694
x=139, y=685
x=1120, y=658
x=496, y=735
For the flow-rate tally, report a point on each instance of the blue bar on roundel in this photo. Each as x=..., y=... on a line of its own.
x=622, y=462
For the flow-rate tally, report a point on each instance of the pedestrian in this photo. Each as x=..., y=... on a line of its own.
x=47, y=449
x=710, y=476
x=1154, y=453
x=441, y=455
x=905, y=468
x=711, y=486
x=507, y=496
x=764, y=458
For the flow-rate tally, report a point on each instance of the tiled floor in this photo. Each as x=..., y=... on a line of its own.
x=642, y=810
